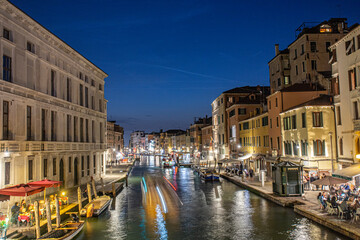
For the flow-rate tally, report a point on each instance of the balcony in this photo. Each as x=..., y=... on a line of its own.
x=39, y=146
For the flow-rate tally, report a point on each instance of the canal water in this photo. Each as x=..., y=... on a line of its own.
x=175, y=203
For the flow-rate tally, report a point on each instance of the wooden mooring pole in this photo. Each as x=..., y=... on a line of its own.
x=37, y=219
x=94, y=188
x=58, y=218
x=79, y=199
x=89, y=192
x=48, y=215
x=113, y=190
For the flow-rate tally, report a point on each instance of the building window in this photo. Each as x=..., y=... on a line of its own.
x=327, y=45
x=28, y=123
x=319, y=148
x=350, y=46
x=317, y=119
x=43, y=125
x=75, y=130
x=352, y=79
x=278, y=142
x=341, y=147
x=92, y=83
x=287, y=123
x=6, y=131
x=100, y=88
x=303, y=120
x=223, y=139
x=293, y=122
x=296, y=70
x=277, y=121
x=313, y=46
x=269, y=104
x=100, y=105
x=81, y=97
x=264, y=121
x=303, y=66
x=287, y=148
x=271, y=143
x=313, y=65
x=81, y=130
x=70, y=164
x=30, y=47
x=232, y=113
x=7, y=34
x=246, y=125
x=94, y=163
x=338, y=115
x=87, y=130
x=88, y=165
x=82, y=166
x=279, y=82
x=295, y=148
x=45, y=167
x=53, y=84
x=53, y=126
x=242, y=111
x=304, y=148
x=80, y=75
x=101, y=133
x=356, y=110
x=295, y=53
x=270, y=123
x=93, y=131
x=68, y=89
x=30, y=169
x=287, y=80
x=276, y=102
x=222, y=118
x=7, y=173
x=86, y=97
x=68, y=127
x=7, y=76
x=54, y=166
x=302, y=49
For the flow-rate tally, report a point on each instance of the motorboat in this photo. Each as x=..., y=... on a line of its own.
x=209, y=175
x=96, y=207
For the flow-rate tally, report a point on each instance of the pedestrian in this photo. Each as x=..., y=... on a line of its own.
x=251, y=172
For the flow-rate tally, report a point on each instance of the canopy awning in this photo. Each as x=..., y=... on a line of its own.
x=4, y=198
x=45, y=183
x=21, y=190
x=329, y=180
x=348, y=173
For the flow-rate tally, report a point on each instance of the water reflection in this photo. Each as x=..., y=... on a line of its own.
x=195, y=210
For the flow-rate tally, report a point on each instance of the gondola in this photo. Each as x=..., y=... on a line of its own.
x=66, y=231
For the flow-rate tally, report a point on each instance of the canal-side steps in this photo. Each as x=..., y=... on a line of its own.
x=303, y=207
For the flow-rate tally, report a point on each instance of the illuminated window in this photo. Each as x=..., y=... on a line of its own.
x=325, y=28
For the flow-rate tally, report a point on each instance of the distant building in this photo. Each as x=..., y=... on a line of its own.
x=137, y=139
x=115, y=142
x=219, y=116
x=306, y=60
x=196, y=135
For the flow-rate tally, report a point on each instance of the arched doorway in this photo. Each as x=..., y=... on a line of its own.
x=61, y=171
x=76, y=177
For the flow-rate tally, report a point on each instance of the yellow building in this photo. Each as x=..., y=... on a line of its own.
x=254, y=141
x=308, y=132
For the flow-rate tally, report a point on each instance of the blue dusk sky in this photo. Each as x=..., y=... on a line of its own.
x=168, y=60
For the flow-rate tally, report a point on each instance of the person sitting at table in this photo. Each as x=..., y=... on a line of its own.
x=355, y=205
x=333, y=202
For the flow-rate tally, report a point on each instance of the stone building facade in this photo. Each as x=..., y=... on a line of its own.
x=52, y=106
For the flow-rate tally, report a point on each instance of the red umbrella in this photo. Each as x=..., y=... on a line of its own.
x=46, y=183
x=21, y=190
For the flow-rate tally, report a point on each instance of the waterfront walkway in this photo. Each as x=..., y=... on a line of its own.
x=307, y=205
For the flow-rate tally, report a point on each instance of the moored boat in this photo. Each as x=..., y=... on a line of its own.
x=66, y=231
x=96, y=207
x=209, y=175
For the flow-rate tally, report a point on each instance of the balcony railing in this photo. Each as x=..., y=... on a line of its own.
x=37, y=146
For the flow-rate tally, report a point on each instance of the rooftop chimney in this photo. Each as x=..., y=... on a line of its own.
x=277, y=49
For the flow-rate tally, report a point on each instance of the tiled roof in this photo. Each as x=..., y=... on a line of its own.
x=303, y=87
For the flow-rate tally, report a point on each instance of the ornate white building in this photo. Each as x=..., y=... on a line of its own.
x=52, y=106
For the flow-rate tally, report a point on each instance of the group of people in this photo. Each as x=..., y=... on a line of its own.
x=341, y=197
x=238, y=169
